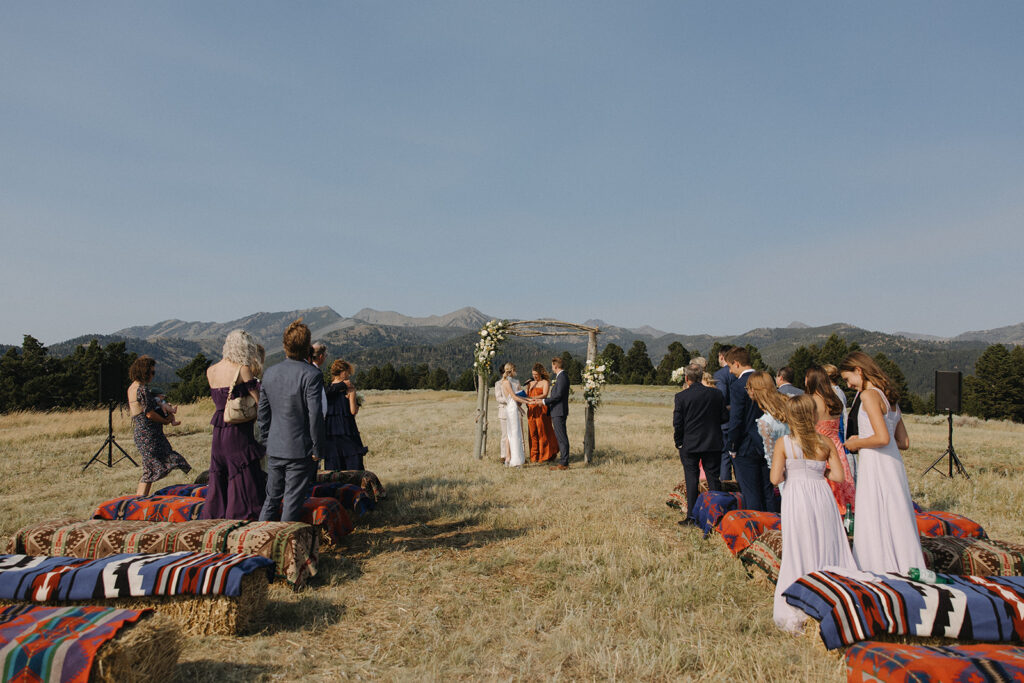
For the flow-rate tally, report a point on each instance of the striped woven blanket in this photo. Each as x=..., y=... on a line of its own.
x=190, y=490
x=293, y=546
x=986, y=608
x=39, y=578
x=892, y=663
x=939, y=523
x=353, y=498
x=740, y=528
x=56, y=643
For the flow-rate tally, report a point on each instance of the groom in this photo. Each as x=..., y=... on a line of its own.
x=558, y=408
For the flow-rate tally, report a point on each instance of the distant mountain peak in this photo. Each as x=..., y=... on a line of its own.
x=797, y=325
x=467, y=317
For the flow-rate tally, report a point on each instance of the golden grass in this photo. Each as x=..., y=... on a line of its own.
x=469, y=570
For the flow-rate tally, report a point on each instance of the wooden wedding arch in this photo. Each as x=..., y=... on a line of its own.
x=538, y=328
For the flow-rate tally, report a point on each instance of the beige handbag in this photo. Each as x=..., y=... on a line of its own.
x=241, y=409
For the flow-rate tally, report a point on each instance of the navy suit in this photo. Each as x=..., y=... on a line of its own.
x=790, y=390
x=723, y=380
x=752, y=471
x=558, y=408
x=697, y=422
x=292, y=426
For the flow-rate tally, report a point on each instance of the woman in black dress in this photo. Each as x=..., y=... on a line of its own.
x=158, y=458
x=345, y=449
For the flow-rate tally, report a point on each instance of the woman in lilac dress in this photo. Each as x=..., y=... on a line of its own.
x=237, y=484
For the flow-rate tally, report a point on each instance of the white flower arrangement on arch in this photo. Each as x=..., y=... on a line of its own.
x=492, y=335
x=594, y=378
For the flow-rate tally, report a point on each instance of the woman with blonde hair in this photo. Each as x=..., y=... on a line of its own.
x=517, y=452
x=238, y=485
x=885, y=537
x=828, y=410
x=812, y=532
x=772, y=425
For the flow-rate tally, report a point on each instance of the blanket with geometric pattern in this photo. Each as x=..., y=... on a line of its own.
x=892, y=663
x=39, y=578
x=986, y=608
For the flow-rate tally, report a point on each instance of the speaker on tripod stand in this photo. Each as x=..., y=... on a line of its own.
x=948, y=391
x=113, y=387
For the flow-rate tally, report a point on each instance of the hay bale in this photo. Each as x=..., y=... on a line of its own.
x=146, y=650
x=195, y=615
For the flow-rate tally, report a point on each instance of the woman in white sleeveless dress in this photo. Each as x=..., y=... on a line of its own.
x=514, y=428
x=813, y=538
x=885, y=537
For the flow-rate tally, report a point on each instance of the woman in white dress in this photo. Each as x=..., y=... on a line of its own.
x=885, y=537
x=511, y=425
x=812, y=532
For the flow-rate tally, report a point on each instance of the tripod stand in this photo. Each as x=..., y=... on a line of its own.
x=109, y=444
x=953, y=459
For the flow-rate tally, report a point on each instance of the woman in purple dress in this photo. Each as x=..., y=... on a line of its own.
x=345, y=449
x=237, y=484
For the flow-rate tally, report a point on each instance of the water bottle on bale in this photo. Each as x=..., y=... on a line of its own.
x=926, y=576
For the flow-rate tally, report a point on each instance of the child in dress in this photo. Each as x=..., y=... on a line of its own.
x=813, y=537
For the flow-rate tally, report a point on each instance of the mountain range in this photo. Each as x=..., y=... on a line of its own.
x=372, y=337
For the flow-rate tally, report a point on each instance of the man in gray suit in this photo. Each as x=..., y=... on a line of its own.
x=291, y=425
x=784, y=381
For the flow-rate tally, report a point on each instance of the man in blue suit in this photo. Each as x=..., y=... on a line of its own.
x=558, y=408
x=745, y=443
x=723, y=380
x=292, y=425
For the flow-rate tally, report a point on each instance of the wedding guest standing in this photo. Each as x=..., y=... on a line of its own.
x=772, y=425
x=291, y=425
x=697, y=430
x=158, y=458
x=745, y=445
x=557, y=403
x=723, y=380
x=812, y=532
x=237, y=484
x=543, y=442
x=828, y=411
x=345, y=449
x=844, y=417
x=885, y=533
x=784, y=381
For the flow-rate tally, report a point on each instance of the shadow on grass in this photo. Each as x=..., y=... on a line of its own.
x=310, y=611
x=217, y=671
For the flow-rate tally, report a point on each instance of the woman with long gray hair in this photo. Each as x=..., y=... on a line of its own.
x=237, y=485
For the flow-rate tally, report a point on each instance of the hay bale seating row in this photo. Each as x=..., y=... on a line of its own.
x=293, y=546
x=326, y=514
x=80, y=644
x=204, y=593
x=354, y=499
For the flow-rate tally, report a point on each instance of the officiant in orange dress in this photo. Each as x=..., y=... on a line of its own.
x=543, y=445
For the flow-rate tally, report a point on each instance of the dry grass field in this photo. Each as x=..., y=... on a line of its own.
x=473, y=571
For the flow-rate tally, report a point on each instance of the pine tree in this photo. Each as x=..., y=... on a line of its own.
x=615, y=358
x=637, y=368
x=676, y=357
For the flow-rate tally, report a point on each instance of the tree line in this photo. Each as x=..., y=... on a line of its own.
x=33, y=379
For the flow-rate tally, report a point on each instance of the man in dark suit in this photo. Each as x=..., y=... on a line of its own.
x=558, y=408
x=745, y=443
x=723, y=380
x=697, y=420
x=291, y=425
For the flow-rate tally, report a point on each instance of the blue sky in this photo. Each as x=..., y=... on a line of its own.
x=695, y=166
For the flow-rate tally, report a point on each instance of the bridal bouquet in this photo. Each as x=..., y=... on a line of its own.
x=593, y=381
x=491, y=336
x=678, y=375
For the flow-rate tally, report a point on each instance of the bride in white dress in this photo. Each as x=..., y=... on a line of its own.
x=509, y=387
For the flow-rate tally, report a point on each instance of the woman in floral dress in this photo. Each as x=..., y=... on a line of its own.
x=148, y=420
x=829, y=409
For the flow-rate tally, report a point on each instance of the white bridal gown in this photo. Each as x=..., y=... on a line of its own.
x=517, y=451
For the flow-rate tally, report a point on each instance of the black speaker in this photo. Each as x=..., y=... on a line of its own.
x=113, y=384
x=948, y=384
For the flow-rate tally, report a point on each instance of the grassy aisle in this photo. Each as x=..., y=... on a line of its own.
x=470, y=570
